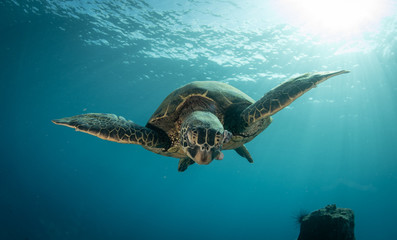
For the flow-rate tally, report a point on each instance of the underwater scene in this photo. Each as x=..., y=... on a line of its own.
x=335, y=144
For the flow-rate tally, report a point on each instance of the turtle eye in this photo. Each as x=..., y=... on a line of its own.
x=194, y=131
x=227, y=136
x=192, y=136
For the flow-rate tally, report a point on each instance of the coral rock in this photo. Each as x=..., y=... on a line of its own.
x=329, y=223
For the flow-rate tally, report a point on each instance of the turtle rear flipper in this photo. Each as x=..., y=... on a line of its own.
x=115, y=128
x=284, y=94
x=243, y=151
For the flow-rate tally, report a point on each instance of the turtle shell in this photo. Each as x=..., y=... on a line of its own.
x=219, y=98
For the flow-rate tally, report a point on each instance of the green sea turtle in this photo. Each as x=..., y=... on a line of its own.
x=195, y=122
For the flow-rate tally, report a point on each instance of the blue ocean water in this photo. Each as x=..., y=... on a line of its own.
x=336, y=144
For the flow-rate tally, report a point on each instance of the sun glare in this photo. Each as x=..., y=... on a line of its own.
x=335, y=17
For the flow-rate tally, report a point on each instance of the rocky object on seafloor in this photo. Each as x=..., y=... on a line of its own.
x=329, y=223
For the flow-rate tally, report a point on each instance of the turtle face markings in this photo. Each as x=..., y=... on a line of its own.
x=203, y=145
x=202, y=137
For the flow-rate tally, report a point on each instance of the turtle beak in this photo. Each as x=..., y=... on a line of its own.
x=203, y=157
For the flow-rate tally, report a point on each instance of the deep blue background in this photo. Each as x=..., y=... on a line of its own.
x=336, y=144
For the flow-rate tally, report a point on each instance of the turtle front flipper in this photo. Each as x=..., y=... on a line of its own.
x=284, y=94
x=243, y=151
x=115, y=128
x=184, y=163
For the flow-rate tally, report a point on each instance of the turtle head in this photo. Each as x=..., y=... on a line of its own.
x=202, y=137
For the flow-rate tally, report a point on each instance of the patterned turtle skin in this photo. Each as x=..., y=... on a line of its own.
x=196, y=122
